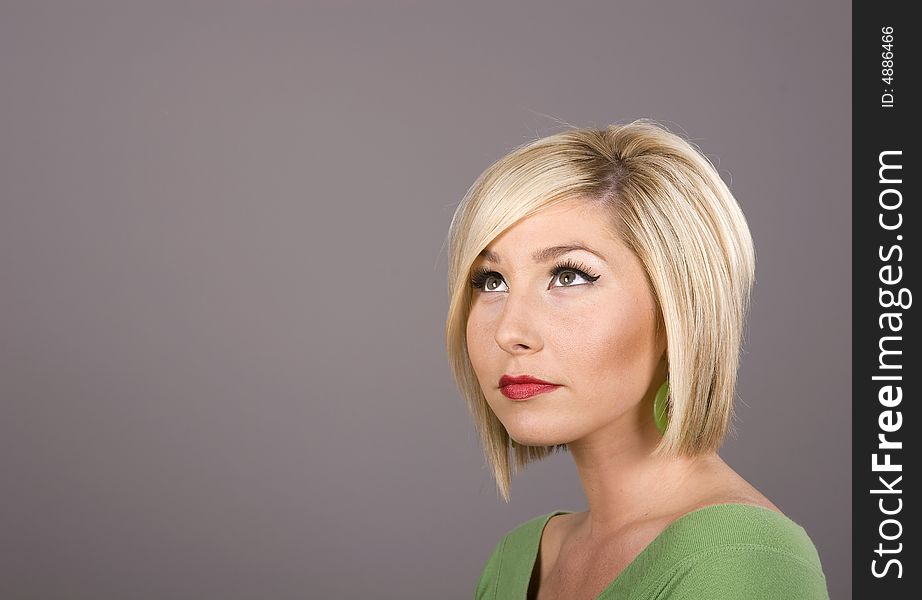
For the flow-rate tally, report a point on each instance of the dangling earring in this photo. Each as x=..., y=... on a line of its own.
x=660, y=416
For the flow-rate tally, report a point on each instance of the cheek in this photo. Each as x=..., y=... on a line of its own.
x=482, y=350
x=478, y=336
x=613, y=353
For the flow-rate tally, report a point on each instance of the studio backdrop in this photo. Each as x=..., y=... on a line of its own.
x=222, y=229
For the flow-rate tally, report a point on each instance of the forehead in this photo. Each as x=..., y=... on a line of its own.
x=570, y=222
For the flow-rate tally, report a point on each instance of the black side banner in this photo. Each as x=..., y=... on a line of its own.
x=886, y=369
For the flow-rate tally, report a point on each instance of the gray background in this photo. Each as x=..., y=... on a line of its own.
x=223, y=282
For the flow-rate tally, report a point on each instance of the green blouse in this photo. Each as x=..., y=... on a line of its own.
x=719, y=552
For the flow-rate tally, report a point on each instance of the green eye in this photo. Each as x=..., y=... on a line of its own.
x=483, y=277
x=485, y=280
x=570, y=268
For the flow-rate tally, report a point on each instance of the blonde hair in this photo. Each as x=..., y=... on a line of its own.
x=670, y=206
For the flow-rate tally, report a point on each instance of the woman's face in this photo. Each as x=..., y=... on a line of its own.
x=592, y=332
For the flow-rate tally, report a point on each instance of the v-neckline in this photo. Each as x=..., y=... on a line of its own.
x=637, y=559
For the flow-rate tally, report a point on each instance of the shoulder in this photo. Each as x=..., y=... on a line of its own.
x=739, y=551
x=751, y=572
x=522, y=537
x=511, y=556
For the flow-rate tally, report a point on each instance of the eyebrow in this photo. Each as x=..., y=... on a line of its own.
x=546, y=254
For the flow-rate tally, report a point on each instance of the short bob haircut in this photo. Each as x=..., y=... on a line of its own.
x=670, y=206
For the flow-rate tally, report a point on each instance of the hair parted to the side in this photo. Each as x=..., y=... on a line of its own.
x=670, y=206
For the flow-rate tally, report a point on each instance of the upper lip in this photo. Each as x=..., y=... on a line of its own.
x=511, y=379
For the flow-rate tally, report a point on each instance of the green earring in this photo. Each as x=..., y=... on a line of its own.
x=660, y=416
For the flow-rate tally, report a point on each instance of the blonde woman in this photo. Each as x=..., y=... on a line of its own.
x=599, y=284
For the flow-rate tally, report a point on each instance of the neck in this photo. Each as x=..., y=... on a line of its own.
x=625, y=484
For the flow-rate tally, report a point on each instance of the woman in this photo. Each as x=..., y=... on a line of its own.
x=599, y=284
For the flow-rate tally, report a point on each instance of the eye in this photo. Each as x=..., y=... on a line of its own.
x=568, y=271
x=483, y=277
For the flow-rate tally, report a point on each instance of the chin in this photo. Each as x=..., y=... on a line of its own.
x=532, y=425
x=533, y=436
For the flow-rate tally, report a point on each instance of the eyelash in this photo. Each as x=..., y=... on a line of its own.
x=480, y=275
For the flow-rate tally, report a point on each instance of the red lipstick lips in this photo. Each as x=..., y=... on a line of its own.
x=523, y=387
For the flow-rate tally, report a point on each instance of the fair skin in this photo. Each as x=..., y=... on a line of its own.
x=594, y=335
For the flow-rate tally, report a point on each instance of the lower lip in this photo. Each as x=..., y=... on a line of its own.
x=524, y=391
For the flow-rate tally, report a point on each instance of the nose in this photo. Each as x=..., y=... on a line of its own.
x=516, y=331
